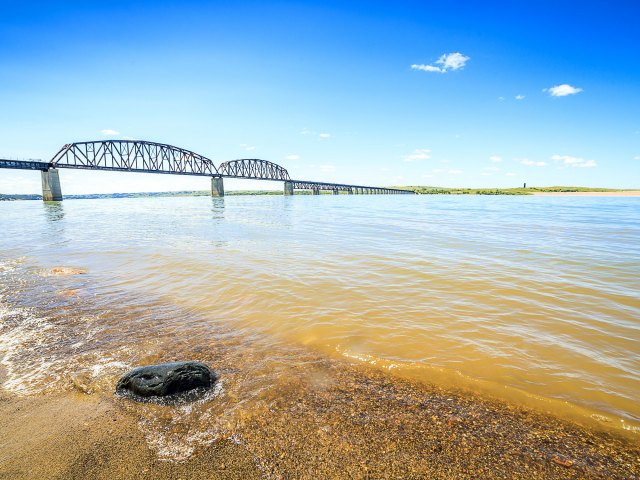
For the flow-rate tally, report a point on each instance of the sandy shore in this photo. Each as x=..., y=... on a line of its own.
x=341, y=421
x=630, y=193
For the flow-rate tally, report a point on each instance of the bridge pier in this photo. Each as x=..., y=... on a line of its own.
x=336, y=192
x=217, y=187
x=51, y=191
x=316, y=191
x=350, y=191
x=288, y=188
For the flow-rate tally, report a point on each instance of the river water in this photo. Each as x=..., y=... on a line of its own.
x=533, y=300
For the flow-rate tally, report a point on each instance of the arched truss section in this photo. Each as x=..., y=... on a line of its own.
x=133, y=156
x=253, y=168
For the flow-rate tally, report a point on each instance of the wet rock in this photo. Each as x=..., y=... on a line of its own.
x=167, y=379
x=63, y=271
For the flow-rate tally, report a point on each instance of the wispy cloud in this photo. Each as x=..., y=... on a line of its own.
x=520, y=97
x=637, y=157
x=448, y=61
x=306, y=131
x=328, y=168
x=454, y=171
x=491, y=169
x=418, y=154
x=248, y=148
x=562, y=90
x=510, y=174
x=569, y=161
x=292, y=157
x=109, y=132
x=495, y=158
x=532, y=163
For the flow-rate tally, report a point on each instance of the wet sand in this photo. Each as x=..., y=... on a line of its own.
x=338, y=420
x=630, y=193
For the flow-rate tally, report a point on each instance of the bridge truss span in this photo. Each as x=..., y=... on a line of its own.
x=253, y=168
x=133, y=156
x=152, y=157
x=340, y=187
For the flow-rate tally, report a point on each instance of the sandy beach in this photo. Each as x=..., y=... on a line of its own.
x=344, y=421
x=629, y=193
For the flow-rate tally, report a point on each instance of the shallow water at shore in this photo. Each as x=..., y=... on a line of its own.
x=534, y=300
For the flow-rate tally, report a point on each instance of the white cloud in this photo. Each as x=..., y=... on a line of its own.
x=325, y=135
x=306, y=131
x=292, y=157
x=438, y=170
x=454, y=172
x=109, y=132
x=519, y=97
x=418, y=154
x=248, y=148
x=562, y=90
x=532, y=163
x=569, y=161
x=491, y=169
x=495, y=158
x=510, y=174
x=425, y=68
x=501, y=99
x=637, y=157
x=448, y=61
x=328, y=168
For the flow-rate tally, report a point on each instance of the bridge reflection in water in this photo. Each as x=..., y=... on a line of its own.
x=151, y=157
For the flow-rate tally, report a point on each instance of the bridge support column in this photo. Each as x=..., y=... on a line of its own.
x=316, y=191
x=217, y=187
x=288, y=188
x=350, y=191
x=336, y=192
x=51, y=191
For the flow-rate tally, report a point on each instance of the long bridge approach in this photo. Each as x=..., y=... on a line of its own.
x=151, y=157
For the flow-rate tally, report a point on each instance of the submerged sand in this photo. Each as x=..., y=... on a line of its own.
x=629, y=193
x=338, y=421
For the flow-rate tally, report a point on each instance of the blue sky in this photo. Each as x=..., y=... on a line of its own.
x=382, y=93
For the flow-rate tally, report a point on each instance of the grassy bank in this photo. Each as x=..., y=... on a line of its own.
x=425, y=190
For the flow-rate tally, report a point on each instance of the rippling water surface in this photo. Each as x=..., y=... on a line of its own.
x=536, y=299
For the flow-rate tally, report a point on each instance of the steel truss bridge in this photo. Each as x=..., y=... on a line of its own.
x=151, y=157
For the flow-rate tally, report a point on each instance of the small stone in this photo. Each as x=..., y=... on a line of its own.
x=62, y=271
x=560, y=460
x=166, y=379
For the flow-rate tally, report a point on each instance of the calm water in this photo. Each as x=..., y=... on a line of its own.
x=533, y=299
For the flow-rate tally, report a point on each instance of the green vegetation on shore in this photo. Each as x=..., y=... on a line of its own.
x=424, y=190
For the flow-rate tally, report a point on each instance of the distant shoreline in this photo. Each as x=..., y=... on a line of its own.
x=421, y=190
x=626, y=193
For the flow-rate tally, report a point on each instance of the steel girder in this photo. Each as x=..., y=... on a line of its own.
x=24, y=164
x=253, y=168
x=133, y=156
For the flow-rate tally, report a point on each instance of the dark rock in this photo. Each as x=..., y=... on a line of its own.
x=166, y=379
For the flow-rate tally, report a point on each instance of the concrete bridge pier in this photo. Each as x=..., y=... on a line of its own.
x=51, y=191
x=350, y=191
x=316, y=191
x=288, y=187
x=336, y=192
x=217, y=187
